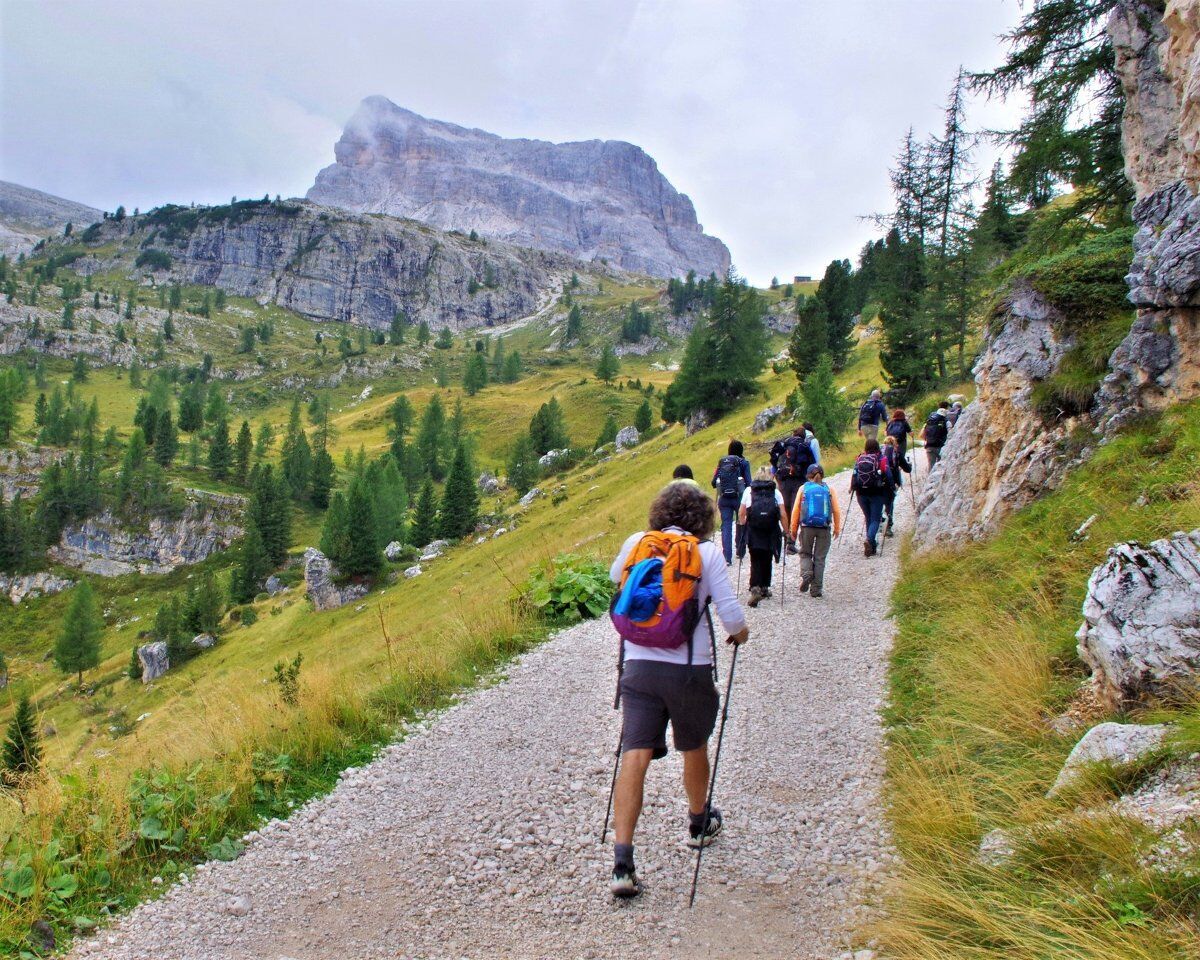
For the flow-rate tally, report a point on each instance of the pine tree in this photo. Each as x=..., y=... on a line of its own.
x=397, y=327
x=459, y=508
x=324, y=474
x=475, y=374
x=810, y=337
x=78, y=645
x=390, y=501
x=608, y=366
x=644, y=418
x=364, y=557
x=522, y=465
x=497, y=368
x=425, y=522
x=608, y=433
x=335, y=532
x=134, y=670
x=263, y=440
x=204, y=607
x=822, y=405
x=191, y=407
x=430, y=437
x=253, y=566
x=166, y=440
x=445, y=339
x=547, y=428
x=22, y=744
x=220, y=455
x=574, y=326
x=512, y=368
x=422, y=333
x=296, y=455
x=242, y=448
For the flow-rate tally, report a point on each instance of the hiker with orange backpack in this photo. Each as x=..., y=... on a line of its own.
x=669, y=576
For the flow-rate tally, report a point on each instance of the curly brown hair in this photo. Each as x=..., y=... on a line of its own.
x=686, y=506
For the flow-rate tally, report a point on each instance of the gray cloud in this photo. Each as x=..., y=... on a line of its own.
x=777, y=118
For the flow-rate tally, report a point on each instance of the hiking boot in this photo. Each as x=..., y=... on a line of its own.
x=816, y=594
x=625, y=883
x=805, y=584
x=767, y=593
x=888, y=532
x=867, y=551
x=755, y=596
x=791, y=548
x=695, y=840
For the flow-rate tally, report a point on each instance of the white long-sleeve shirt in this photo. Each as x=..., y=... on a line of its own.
x=714, y=583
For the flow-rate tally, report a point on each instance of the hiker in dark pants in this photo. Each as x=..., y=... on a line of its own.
x=869, y=484
x=892, y=461
x=816, y=521
x=791, y=467
x=901, y=429
x=730, y=479
x=662, y=685
x=870, y=415
x=935, y=432
x=762, y=517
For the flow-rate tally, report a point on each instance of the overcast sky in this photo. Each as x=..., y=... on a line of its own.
x=778, y=119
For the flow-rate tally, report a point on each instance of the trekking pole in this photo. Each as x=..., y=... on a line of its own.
x=712, y=783
x=612, y=787
x=783, y=576
x=739, y=575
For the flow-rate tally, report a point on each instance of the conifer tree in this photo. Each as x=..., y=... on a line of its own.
x=263, y=440
x=573, y=329
x=644, y=418
x=270, y=510
x=205, y=605
x=166, y=441
x=397, y=327
x=522, y=465
x=512, y=368
x=242, y=448
x=445, y=339
x=497, y=369
x=608, y=433
x=324, y=474
x=134, y=670
x=296, y=455
x=424, y=525
x=220, y=455
x=608, y=366
x=191, y=406
x=78, y=646
x=822, y=405
x=430, y=437
x=253, y=566
x=422, y=333
x=364, y=557
x=22, y=744
x=335, y=532
x=390, y=500
x=475, y=374
x=459, y=508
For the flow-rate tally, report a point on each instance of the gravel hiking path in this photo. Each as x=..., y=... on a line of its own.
x=477, y=835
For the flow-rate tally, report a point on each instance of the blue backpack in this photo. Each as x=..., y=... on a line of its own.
x=818, y=507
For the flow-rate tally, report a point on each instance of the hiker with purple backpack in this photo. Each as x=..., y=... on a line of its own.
x=870, y=485
x=669, y=577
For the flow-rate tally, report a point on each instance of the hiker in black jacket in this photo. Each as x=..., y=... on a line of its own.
x=935, y=432
x=730, y=479
x=764, y=521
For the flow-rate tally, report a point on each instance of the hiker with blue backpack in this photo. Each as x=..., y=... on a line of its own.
x=870, y=484
x=730, y=479
x=816, y=523
x=670, y=577
x=763, y=518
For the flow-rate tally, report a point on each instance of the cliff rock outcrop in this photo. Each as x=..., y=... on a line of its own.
x=1159, y=63
x=28, y=215
x=106, y=546
x=1000, y=455
x=595, y=199
x=331, y=265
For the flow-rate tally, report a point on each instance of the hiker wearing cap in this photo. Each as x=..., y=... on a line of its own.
x=667, y=661
x=870, y=415
x=763, y=518
x=816, y=521
x=791, y=467
x=730, y=480
x=935, y=432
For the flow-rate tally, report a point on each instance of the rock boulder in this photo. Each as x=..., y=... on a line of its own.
x=319, y=574
x=154, y=660
x=488, y=484
x=1115, y=743
x=766, y=418
x=627, y=437
x=1141, y=629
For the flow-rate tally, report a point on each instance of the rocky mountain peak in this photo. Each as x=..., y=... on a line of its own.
x=592, y=199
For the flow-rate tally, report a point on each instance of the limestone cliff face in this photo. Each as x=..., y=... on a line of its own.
x=330, y=265
x=593, y=199
x=1159, y=61
x=1000, y=456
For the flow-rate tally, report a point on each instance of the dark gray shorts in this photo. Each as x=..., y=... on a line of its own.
x=653, y=693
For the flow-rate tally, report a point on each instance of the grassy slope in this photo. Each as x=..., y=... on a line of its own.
x=971, y=750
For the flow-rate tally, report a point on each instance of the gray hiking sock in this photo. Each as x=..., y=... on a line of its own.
x=623, y=855
x=696, y=821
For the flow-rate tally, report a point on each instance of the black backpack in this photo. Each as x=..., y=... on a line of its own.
x=936, y=429
x=764, y=511
x=794, y=459
x=897, y=429
x=729, y=478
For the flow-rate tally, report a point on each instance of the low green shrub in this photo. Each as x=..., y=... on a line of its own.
x=569, y=588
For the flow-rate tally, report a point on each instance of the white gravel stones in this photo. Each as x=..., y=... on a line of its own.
x=477, y=835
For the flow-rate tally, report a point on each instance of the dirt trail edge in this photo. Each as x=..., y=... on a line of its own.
x=477, y=836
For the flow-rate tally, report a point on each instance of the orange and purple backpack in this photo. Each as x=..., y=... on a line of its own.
x=656, y=604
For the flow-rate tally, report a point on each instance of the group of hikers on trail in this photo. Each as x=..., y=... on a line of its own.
x=671, y=576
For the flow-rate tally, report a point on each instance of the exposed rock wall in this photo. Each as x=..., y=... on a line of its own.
x=1159, y=62
x=104, y=545
x=1000, y=455
x=330, y=265
x=597, y=199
